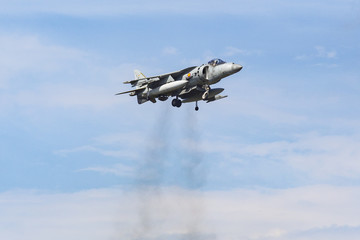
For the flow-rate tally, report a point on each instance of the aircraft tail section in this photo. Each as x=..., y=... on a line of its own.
x=138, y=74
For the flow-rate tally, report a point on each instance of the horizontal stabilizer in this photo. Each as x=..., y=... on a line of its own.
x=133, y=81
x=125, y=92
x=135, y=91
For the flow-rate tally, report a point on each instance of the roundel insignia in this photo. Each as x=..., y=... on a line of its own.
x=188, y=76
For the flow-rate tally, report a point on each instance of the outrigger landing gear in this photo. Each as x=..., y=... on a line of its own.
x=196, y=107
x=176, y=102
x=206, y=93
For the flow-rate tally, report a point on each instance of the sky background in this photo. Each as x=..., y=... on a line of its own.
x=278, y=159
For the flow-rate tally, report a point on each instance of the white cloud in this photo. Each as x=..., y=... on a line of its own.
x=320, y=52
x=117, y=169
x=96, y=149
x=312, y=156
x=28, y=53
x=231, y=51
x=272, y=114
x=68, y=96
x=35, y=74
x=323, y=53
x=326, y=156
x=320, y=157
x=252, y=96
x=126, y=145
x=170, y=51
x=173, y=213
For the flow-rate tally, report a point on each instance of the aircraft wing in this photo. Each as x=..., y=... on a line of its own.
x=159, y=77
x=178, y=73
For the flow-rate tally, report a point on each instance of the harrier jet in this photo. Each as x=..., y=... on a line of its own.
x=188, y=85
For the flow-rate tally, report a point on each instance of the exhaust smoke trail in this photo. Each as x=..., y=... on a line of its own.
x=195, y=175
x=151, y=176
x=194, y=167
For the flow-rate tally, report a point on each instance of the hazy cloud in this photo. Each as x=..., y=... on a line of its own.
x=46, y=75
x=117, y=169
x=294, y=213
x=105, y=152
x=324, y=53
x=231, y=51
x=170, y=51
x=320, y=52
x=320, y=157
x=28, y=53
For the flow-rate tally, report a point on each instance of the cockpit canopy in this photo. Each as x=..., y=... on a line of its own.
x=216, y=61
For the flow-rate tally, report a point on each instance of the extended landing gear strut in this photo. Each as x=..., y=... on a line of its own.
x=176, y=102
x=196, y=107
x=206, y=93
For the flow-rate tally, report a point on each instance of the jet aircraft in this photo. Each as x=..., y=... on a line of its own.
x=191, y=84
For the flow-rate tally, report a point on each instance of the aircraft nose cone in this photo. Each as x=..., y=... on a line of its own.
x=236, y=67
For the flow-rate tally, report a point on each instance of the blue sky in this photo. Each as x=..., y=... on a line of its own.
x=277, y=159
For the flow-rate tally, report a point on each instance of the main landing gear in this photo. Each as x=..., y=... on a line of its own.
x=176, y=102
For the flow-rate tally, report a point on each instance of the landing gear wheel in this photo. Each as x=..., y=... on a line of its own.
x=196, y=107
x=176, y=103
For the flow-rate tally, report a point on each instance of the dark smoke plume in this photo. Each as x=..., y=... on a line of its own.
x=151, y=173
x=195, y=171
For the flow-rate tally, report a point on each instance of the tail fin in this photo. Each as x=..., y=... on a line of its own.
x=138, y=74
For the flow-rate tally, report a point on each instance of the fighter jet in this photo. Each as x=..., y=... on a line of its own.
x=191, y=84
